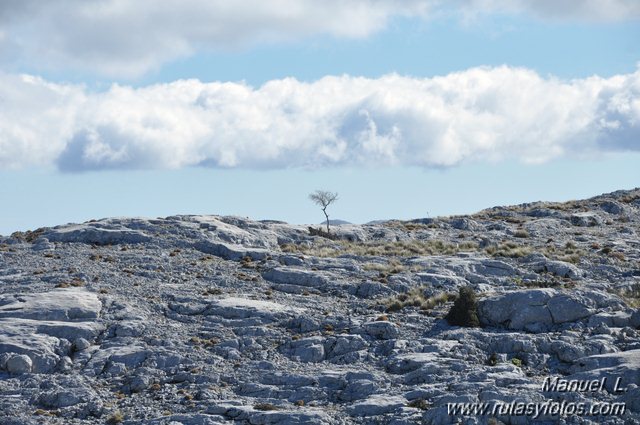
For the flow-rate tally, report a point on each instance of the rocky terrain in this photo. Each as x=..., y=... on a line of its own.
x=211, y=320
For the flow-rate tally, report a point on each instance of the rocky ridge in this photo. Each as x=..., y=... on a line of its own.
x=211, y=320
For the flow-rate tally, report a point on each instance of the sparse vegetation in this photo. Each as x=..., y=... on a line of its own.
x=416, y=298
x=42, y=412
x=392, y=267
x=380, y=248
x=115, y=418
x=76, y=283
x=266, y=407
x=204, y=342
x=627, y=199
x=28, y=236
x=631, y=295
x=247, y=262
x=569, y=253
x=508, y=249
x=617, y=255
x=464, y=311
x=419, y=403
x=409, y=226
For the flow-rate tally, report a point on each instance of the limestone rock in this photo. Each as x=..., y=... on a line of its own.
x=377, y=405
x=209, y=319
x=624, y=365
x=92, y=234
x=381, y=330
x=586, y=219
x=535, y=310
x=518, y=310
x=19, y=364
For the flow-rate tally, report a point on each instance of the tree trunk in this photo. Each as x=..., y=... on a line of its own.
x=324, y=210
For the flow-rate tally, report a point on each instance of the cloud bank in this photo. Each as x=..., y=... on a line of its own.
x=130, y=37
x=127, y=38
x=575, y=10
x=481, y=114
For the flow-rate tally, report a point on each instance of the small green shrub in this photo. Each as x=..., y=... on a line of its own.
x=464, y=311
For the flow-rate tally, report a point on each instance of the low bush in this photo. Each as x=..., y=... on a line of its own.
x=464, y=311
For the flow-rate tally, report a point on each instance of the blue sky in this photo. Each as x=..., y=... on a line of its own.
x=406, y=109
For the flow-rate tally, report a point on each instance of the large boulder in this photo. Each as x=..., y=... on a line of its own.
x=34, y=326
x=381, y=330
x=377, y=405
x=586, y=219
x=517, y=310
x=534, y=310
x=19, y=363
x=296, y=276
x=96, y=233
x=570, y=307
x=612, y=207
x=60, y=305
x=559, y=268
x=230, y=251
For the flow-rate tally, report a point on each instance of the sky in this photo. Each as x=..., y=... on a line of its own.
x=406, y=109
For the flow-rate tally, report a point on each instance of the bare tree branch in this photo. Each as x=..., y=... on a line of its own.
x=324, y=198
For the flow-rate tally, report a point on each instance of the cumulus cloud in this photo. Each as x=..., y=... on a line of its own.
x=481, y=114
x=36, y=121
x=127, y=38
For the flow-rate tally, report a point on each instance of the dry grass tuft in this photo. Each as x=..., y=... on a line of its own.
x=392, y=267
x=410, y=248
x=569, y=253
x=265, y=407
x=509, y=249
x=631, y=296
x=416, y=298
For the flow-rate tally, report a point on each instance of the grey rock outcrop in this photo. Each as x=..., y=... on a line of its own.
x=534, y=310
x=209, y=320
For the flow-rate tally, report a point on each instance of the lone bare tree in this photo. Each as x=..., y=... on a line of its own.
x=324, y=198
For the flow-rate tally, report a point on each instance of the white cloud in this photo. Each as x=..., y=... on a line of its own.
x=128, y=38
x=582, y=10
x=482, y=114
x=36, y=121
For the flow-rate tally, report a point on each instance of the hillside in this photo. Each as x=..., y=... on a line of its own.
x=211, y=320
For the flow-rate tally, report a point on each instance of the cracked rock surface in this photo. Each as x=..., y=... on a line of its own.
x=214, y=320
